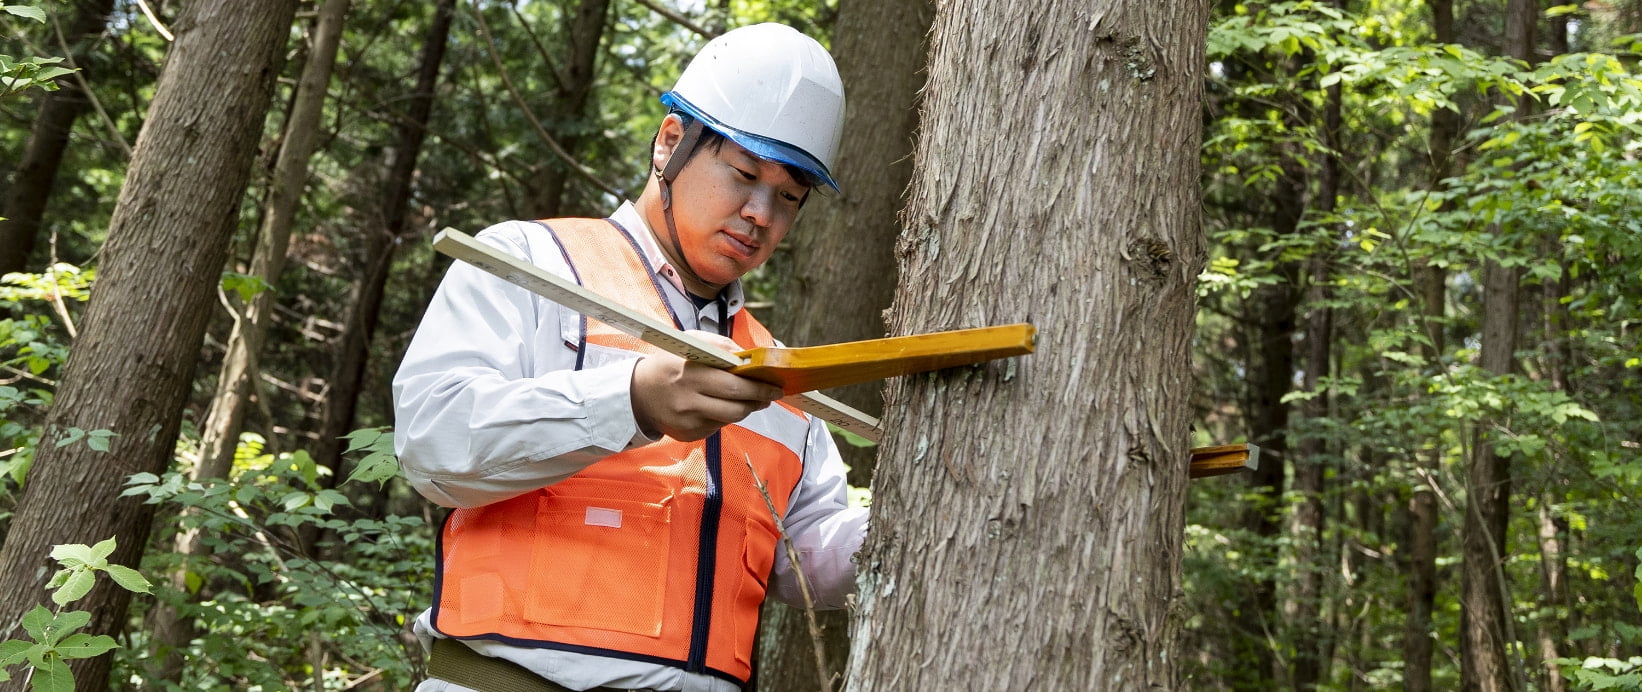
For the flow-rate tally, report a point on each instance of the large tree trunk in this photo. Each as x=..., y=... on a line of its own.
x=1028, y=515
x=838, y=273
x=348, y=368
x=133, y=363
x=583, y=29
x=36, y=175
x=1432, y=283
x=222, y=426
x=1485, y=613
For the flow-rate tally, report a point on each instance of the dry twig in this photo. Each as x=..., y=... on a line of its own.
x=803, y=582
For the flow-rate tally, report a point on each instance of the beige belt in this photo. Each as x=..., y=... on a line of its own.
x=452, y=661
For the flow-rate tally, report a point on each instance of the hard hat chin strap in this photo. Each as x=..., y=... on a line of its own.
x=666, y=176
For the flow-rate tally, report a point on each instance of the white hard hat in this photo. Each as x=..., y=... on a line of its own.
x=770, y=89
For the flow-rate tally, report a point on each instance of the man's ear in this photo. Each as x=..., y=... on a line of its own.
x=666, y=142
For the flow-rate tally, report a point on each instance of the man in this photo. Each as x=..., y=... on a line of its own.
x=609, y=531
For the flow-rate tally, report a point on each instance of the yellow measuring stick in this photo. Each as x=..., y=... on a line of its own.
x=795, y=370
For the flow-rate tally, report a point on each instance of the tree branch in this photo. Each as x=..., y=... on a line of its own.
x=519, y=100
x=678, y=19
x=552, y=67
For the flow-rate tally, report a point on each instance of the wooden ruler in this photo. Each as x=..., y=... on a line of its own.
x=567, y=293
x=800, y=368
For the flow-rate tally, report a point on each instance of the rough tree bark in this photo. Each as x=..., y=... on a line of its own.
x=1485, y=608
x=348, y=367
x=583, y=28
x=1028, y=514
x=837, y=273
x=220, y=432
x=36, y=174
x=132, y=365
x=1432, y=282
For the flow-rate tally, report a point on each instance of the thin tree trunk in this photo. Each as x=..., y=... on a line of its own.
x=1485, y=614
x=1271, y=374
x=1310, y=461
x=1553, y=529
x=220, y=433
x=1432, y=283
x=132, y=365
x=1028, y=516
x=838, y=272
x=583, y=29
x=36, y=175
x=1553, y=575
x=348, y=369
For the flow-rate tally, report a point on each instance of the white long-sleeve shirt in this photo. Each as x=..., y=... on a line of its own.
x=488, y=405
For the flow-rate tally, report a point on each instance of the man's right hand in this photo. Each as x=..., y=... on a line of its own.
x=688, y=401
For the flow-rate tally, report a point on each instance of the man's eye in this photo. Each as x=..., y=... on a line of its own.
x=790, y=197
x=744, y=174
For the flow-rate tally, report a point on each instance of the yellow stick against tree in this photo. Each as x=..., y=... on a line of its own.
x=799, y=371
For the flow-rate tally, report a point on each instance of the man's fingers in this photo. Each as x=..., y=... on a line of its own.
x=724, y=385
x=718, y=340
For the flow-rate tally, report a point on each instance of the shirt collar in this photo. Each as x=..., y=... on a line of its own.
x=628, y=217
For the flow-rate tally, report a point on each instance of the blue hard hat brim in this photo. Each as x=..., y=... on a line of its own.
x=760, y=146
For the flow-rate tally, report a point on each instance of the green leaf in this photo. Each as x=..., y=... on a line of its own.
x=129, y=579
x=295, y=499
x=102, y=550
x=58, y=578
x=53, y=677
x=376, y=467
x=78, y=585
x=98, y=439
x=33, y=13
x=324, y=500
x=246, y=285
x=37, y=621
x=65, y=624
x=363, y=438
x=70, y=436
x=73, y=554
x=13, y=651
x=85, y=646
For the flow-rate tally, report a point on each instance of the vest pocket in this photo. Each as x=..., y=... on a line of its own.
x=599, y=562
x=758, y=558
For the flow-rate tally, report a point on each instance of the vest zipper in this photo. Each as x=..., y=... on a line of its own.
x=706, y=558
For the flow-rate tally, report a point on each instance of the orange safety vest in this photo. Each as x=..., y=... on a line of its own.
x=660, y=553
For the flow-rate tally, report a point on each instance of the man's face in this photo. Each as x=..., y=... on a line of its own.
x=731, y=209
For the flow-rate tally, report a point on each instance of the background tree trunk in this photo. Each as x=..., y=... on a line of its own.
x=1486, y=663
x=1028, y=515
x=134, y=360
x=348, y=368
x=1432, y=283
x=583, y=28
x=1311, y=461
x=36, y=175
x=220, y=433
x=1271, y=376
x=837, y=273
